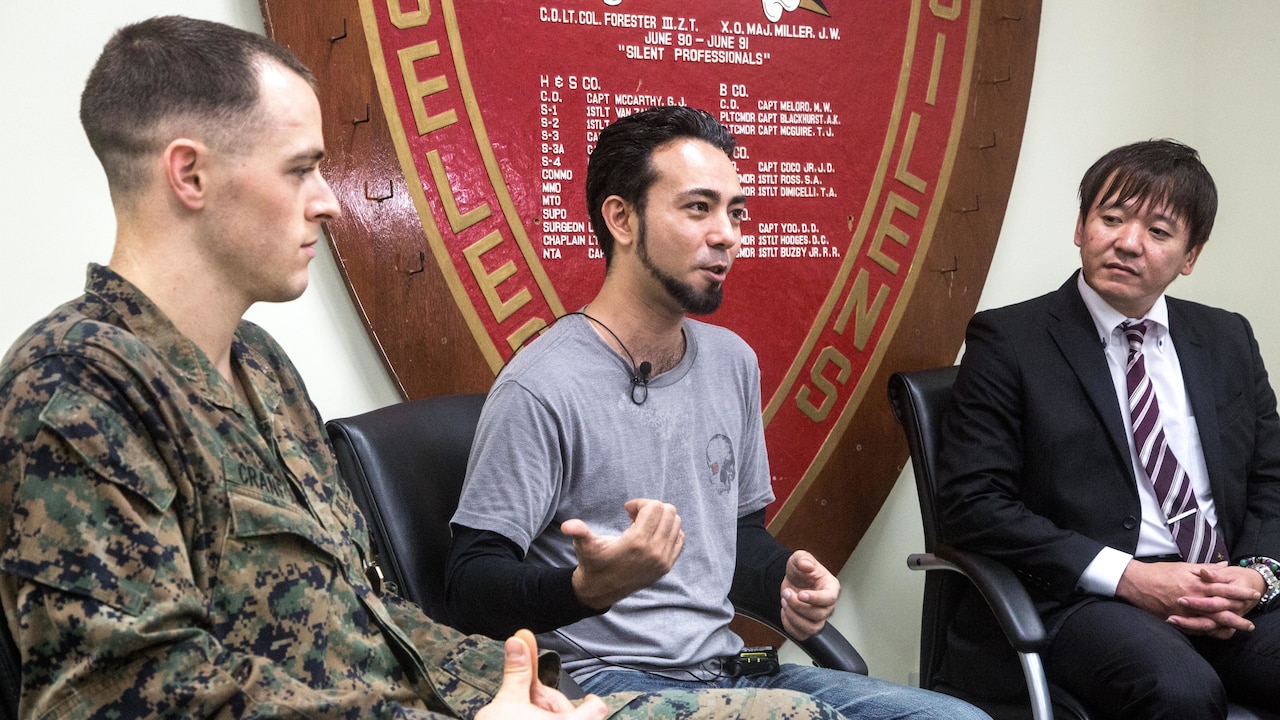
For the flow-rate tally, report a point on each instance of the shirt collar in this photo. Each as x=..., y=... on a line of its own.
x=1106, y=318
x=148, y=322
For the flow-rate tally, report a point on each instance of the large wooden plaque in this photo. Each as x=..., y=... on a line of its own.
x=877, y=146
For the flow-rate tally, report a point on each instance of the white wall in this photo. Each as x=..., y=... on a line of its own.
x=54, y=197
x=1108, y=72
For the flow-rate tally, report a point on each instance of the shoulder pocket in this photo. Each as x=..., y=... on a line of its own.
x=90, y=508
x=109, y=444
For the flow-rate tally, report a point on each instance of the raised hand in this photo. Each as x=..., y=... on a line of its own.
x=612, y=567
x=809, y=594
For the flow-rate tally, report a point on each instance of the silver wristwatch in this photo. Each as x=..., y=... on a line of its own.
x=1273, y=583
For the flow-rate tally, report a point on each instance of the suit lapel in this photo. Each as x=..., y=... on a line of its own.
x=1074, y=333
x=1198, y=376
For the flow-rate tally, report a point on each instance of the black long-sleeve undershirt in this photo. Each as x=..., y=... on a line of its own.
x=760, y=568
x=491, y=590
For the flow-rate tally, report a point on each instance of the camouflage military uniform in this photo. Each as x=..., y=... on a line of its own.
x=171, y=551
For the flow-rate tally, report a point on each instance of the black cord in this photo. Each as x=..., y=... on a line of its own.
x=639, y=373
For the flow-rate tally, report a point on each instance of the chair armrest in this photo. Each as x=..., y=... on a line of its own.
x=828, y=648
x=1001, y=589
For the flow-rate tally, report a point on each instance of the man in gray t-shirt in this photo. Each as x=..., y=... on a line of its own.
x=616, y=491
x=549, y=449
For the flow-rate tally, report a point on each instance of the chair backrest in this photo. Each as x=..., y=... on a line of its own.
x=919, y=399
x=405, y=465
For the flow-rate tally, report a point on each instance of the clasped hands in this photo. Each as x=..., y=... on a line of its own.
x=1198, y=599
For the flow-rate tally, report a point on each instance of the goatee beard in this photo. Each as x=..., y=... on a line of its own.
x=690, y=300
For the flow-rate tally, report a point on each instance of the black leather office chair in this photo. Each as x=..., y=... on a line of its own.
x=919, y=400
x=405, y=465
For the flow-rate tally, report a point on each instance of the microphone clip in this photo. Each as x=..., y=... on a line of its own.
x=640, y=382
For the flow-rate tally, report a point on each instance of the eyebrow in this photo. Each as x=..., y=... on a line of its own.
x=310, y=156
x=713, y=195
x=1129, y=204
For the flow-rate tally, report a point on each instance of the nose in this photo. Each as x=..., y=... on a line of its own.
x=726, y=235
x=324, y=206
x=1130, y=238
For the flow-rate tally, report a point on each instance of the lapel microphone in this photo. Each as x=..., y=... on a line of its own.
x=639, y=380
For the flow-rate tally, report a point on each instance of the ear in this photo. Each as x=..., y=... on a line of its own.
x=1080, y=231
x=621, y=219
x=185, y=163
x=1192, y=255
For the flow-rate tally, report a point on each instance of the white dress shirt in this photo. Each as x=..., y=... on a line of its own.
x=1103, y=574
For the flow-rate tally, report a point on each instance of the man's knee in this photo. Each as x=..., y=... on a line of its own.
x=1193, y=691
x=1124, y=662
x=862, y=696
x=1163, y=688
x=789, y=704
x=767, y=704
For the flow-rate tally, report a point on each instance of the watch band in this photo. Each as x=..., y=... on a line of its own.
x=1270, y=571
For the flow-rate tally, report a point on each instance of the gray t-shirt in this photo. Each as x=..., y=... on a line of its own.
x=561, y=438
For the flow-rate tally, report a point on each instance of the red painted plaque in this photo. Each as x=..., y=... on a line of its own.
x=876, y=145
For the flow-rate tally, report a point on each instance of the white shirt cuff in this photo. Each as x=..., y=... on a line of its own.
x=1102, y=577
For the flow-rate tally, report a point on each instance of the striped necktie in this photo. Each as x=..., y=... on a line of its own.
x=1197, y=540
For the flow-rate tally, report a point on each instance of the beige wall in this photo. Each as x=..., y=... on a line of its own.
x=1108, y=72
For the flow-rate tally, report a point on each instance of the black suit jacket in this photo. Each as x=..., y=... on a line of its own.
x=1035, y=467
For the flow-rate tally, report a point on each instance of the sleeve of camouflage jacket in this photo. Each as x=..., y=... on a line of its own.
x=101, y=587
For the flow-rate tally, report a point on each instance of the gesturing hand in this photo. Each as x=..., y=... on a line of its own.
x=611, y=568
x=809, y=594
x=523, y=697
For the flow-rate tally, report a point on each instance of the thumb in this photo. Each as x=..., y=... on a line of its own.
x=525, y=636
x=581, y=536
x=634, y=506
x=805, y=563
x=576, y=529
x=518, y=671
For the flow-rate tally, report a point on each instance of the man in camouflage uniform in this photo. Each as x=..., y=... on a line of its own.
x=176, y=541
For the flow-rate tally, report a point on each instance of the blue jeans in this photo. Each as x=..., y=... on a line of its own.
x=857, y=697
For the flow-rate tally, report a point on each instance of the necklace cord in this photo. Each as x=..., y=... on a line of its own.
x=639, y=373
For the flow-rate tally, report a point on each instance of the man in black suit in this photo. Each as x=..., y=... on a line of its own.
x=1156, y=600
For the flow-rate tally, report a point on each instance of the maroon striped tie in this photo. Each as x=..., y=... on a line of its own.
x=1196, y=538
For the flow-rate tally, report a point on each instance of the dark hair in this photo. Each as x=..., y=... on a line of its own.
x=621, y=162
x=1164, y=172
x=171, y=67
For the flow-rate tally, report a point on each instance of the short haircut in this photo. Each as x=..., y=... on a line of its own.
x=621, y=163
x=1160, y=172
x=168, y=68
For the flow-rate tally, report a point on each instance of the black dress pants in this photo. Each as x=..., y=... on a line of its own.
x=1126, y=663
